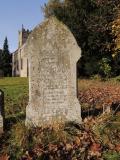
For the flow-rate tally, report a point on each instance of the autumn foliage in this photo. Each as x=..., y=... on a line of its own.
x=91, y=140
x=100, y=95
x=97, y=138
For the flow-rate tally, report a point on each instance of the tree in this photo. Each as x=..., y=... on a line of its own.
x=1, y=71
x=90, y=21
x=0, y=59
x=6, y=59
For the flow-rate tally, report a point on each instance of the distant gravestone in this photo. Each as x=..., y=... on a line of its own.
x=53, y=54
x=1, y=111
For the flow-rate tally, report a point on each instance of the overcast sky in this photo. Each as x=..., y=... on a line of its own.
x=14, y=13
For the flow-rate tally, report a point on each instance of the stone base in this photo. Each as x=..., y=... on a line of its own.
x=49, y=116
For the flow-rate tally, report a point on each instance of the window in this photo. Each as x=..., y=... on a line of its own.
x=21, y=63
x=17, y=65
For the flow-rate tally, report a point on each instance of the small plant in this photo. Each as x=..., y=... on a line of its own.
x=17, y=140
x=111, y=156
x=105, y=68
x=117, y=78
x=96, y=77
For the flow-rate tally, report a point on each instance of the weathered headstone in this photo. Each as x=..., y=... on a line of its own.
x=1, y=111
x=53, y=54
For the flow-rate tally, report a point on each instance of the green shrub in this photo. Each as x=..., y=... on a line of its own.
x=105, y=68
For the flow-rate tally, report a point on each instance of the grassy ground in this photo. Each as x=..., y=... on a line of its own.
x=98, y=137
x=16, y=94
x=84, y=84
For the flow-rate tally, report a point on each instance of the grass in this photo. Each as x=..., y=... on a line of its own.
x=111, y=156
x=16, y=94
x=17, y=139
x=16, y=91
x=84, y=84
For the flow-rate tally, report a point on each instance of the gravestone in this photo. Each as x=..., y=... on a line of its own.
x=1, y=111
x=53, y=54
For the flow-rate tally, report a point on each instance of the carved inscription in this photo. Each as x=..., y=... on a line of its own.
x=55, y=96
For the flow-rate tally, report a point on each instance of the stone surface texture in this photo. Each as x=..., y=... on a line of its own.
x=53, y=54
x=1, y=111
